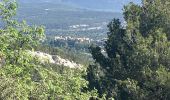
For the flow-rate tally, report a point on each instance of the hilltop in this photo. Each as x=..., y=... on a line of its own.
x=101, y=5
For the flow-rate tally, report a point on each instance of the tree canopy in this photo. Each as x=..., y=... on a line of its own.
x=136, y=63
x=22, y=76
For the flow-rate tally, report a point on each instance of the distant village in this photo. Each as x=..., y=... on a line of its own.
x=80, y=40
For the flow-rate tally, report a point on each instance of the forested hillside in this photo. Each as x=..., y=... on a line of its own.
x=99, y=5
x=131, y=63
x=59, y=17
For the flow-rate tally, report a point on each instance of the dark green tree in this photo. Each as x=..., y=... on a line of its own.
x=137, y=59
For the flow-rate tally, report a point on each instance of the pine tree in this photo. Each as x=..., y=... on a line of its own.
x=136, y=63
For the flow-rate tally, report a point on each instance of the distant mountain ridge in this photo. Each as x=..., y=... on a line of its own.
x=101, y=5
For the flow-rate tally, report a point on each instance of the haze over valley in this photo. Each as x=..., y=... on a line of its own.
x=60, y=17
x=74, y=24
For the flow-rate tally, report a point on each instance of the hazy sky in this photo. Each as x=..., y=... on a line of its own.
x=126, y=1
x=118, y=4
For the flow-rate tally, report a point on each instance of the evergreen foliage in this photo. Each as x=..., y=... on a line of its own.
x=136, y=63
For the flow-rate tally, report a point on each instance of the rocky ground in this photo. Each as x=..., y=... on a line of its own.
x=54, y=59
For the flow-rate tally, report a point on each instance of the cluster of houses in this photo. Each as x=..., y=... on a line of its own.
x=72, y=41
x=68, y=38
x=87, y=40
x=84, y=27
x=79, y=26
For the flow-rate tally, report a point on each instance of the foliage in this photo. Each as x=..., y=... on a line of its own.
x=22, y=77
x=136, y=63
x=80, y=57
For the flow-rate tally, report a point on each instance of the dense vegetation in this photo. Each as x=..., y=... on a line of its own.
x=71, y=54
x=22, y=77
x=136, y=65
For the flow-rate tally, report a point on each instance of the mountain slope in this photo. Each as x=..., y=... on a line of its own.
x=102, y=5
x=58, y=15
